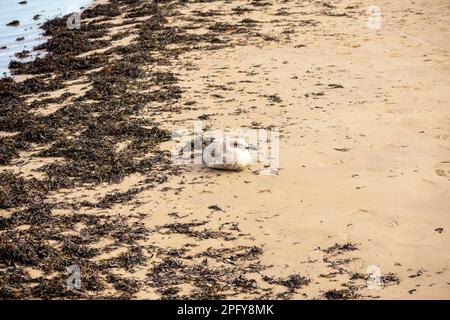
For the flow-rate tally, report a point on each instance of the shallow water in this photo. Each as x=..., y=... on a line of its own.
x=29, y=28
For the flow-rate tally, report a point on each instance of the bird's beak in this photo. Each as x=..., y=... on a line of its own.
x=252, y=147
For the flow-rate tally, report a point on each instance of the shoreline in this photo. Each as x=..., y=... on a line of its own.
x=87, y=178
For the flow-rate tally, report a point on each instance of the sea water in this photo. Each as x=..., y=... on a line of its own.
x=29, y=28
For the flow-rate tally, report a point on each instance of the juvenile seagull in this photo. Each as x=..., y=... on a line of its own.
x=233, y=154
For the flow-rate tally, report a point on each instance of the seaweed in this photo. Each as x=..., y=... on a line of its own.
x=15, y=249
x=128, y=260
x=186, y=229
x=9, y=149
x=16, y=191
x=110, y=199
x=128, y=286
x=13, y=23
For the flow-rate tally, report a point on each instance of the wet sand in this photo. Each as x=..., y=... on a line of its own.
x=364, y=158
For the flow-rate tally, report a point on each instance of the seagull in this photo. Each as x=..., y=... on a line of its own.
x=233, y=154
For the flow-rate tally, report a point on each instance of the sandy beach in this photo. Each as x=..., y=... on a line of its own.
x=87, y=179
